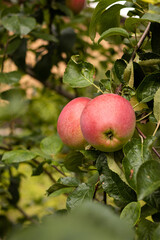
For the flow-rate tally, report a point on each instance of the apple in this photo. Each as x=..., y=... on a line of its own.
x=68, y=125
x=75, y=5
x=108, y=122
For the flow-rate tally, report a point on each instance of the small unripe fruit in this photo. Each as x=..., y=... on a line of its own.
x=108, y=122
x=75, y=5
x=68, y=125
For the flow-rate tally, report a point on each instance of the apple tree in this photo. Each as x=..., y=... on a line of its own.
x=109, y=195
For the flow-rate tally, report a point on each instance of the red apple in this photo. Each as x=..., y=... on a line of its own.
x=108, y=122
x=68, y=125
x=75, y=5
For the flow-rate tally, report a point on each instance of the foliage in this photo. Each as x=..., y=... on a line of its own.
x=126, y=183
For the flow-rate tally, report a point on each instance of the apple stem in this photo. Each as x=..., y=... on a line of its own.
x=156, y=128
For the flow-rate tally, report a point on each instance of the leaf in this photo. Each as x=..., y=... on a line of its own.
x=79, y=74
x=73, y=161
x=129, y=74
x=156, y=109
x=18, y=156
x=119, y=67
x=131, y=24
x=156, y=233
x=91, y=221
x=148, y=178
x=155, y=29
x=136, y=153
x=90, y=155
x=151, y=17
x=101, y=6
x=131, y=213
x=82, y=193
x=148, y=87
x=112, y=183
x=66, y=182
x=18, y=24
x=146, y=229
x=112, y=32
x=10, y=77
x=110, y=18
x=153, y=199
x=44, y=36
x=51, y=145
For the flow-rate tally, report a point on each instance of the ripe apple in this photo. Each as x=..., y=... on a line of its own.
x=75, y=5
x=68, y=125
x=108, y=122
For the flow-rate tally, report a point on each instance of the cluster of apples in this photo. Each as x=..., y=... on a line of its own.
x=106, y=122
x=75, y=5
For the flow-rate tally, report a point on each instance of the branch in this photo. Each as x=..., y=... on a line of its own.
x=142, y=134
x=46, y=171
x=25, y=214
x=140, y=42
x=58, y=170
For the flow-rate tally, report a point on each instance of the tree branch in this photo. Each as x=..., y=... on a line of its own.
x=140, y=42
x=25, y=214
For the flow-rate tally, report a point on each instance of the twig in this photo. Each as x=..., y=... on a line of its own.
x=104, y=197
x=96, y=188
x=59, y=170
x=142, y=134
x=140, y=42
x=25, y=214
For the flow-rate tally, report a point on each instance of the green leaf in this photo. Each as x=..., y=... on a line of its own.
x=129, y=75
x=151, y=17
x=10, y=77
x=148, y=87
x=90, y=155
x=44, y=36
x=131, y=24
x=112, y=183
x=18, y=156
x=153, y=200
x=112, y=32
x=82, y=193
x=136, y=152
x=79, y=74
x=18, y=24
x=100, y=8
x=91, y=221
x=73, y=161
x=146, y=229
x=51, y=145
x=155, y=29
x=156, y=109
x=66, y=182
x=156, y=233
x=119, y=67
x=131, y=213
x=148, y=178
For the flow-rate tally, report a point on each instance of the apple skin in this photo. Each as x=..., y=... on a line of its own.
x=108, y=122
x=75, y=5
x=68, y=124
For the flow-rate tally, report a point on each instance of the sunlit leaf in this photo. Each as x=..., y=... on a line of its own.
x=51, y=145
x=17, y=156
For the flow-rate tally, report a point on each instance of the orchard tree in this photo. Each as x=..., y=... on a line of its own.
x=111, y=193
